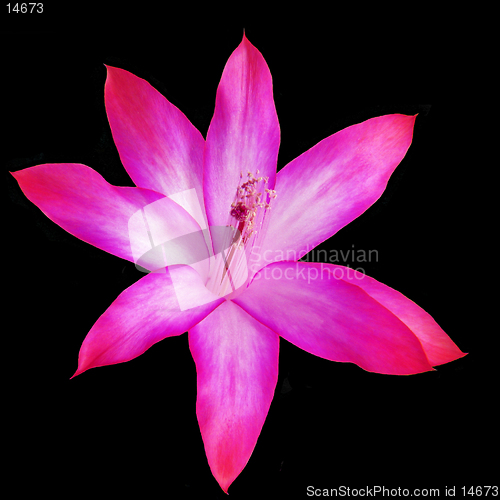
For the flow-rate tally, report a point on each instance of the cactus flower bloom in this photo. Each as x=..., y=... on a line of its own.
x=220, y=233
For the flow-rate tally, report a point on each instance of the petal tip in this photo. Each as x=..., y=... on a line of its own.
x=16, y=174
x=110, y=70
x=78, y=372
x=82, y=367
x=224, y=484
x=246, y=42
x=456, y=355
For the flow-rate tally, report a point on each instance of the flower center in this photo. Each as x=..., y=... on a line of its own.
x=251, y=202
x=247, y=216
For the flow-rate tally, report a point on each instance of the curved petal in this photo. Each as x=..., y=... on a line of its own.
x=111, y=218
x=308, y=306
x=145, y=313
x=237, y=369
x=244, y=132
x=334, y=182
x=158, y=146
x=438, y=347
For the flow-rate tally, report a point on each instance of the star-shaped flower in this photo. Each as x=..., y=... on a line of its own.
x=221, y=233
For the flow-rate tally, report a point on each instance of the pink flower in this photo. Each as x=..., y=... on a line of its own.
x=243, y=286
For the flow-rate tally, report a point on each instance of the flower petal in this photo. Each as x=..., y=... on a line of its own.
x=237, y=369
x=145, y=313
x=80, y=201
x=244, y=132
x=308, y=306
x=438, y=347
x=158, y=146
x=334, y=182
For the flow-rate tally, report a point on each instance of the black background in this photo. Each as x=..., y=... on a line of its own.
x=131, y=428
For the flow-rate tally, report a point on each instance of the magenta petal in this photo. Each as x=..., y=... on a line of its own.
x=244, y=132
x=438, y=347
x=308, y=306
x=237, y=369
x=158, y=146
x=145, y=313
x=334, y=182
x=80, y=201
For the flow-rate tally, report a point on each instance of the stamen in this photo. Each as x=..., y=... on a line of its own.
x=240, y=212
x=247, y=214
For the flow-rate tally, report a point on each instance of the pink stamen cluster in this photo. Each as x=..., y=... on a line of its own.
x=248, y=200
x=240, y=212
